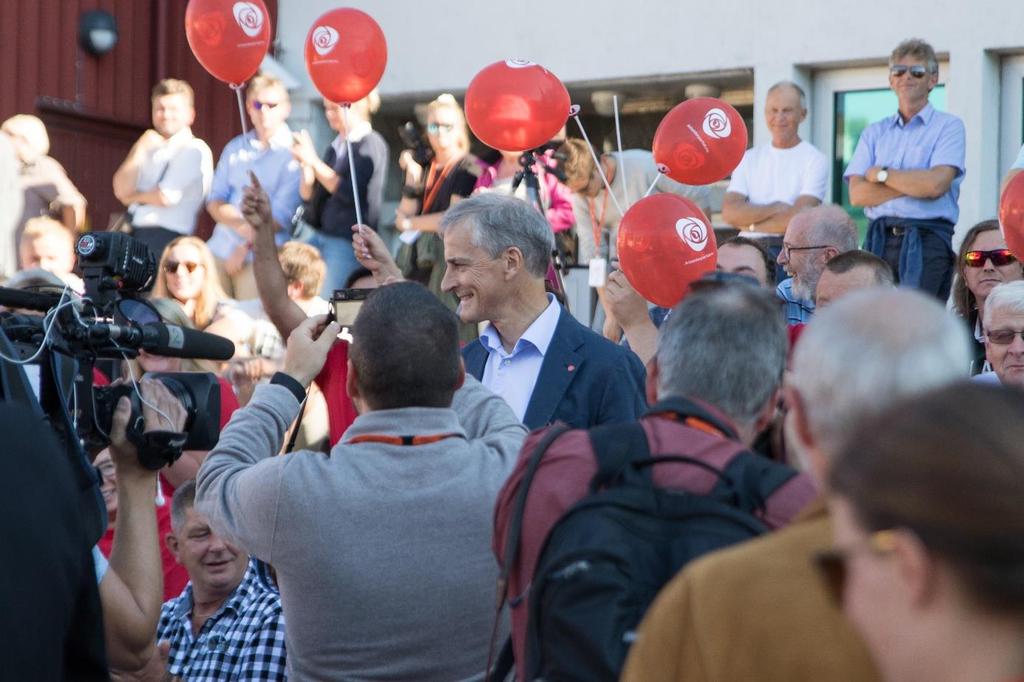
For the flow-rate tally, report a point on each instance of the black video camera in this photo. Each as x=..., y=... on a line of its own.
x=413, y=140
x=109, y=322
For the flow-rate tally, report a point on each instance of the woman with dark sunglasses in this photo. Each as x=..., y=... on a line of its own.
x=928, y=559
x=982, y=264
x=448, y=177
x=188, y=274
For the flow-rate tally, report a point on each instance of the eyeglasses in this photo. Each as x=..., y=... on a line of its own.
x=999, y=257
x=435, y=128
x=787, y=249
x=833, y=564
x=172, y=266
x=917, y=71
x=260, y=106
x=1004, y=337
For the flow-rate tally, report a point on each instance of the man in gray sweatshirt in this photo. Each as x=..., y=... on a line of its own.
x=382, y=548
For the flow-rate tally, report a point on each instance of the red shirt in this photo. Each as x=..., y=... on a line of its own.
x=331, y=380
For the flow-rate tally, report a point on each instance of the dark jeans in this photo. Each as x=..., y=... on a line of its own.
x=937, y=270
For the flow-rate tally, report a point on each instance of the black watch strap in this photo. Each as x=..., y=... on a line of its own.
x=289, y=382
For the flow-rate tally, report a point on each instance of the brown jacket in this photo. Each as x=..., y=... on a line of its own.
x=755, y=612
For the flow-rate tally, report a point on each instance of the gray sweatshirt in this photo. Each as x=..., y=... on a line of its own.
x=383, y=552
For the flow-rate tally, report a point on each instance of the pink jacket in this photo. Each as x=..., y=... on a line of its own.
x=554, y=194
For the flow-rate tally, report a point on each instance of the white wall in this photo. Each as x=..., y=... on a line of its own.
x=438, y=45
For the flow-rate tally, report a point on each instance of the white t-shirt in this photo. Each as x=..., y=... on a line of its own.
x=768, y=174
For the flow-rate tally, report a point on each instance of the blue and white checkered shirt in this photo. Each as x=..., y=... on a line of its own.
x=798, y=311
x=244, y=640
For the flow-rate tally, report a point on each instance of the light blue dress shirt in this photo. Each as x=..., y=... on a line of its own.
x=278, y=173
x=513, y=375
x=931, y=138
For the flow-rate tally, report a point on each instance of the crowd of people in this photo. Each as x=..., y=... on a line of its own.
x=848, y=406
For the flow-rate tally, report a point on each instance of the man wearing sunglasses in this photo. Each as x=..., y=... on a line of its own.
x=760, y=611
x=1004, y=333
x=906, y=173
x=266, y=151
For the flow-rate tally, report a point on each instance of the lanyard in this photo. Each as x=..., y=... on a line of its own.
x=692, y=422
x=434, y=183
x=402, y=440
x=597, y=222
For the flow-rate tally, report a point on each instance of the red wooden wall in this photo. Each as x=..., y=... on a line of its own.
x=95, y=107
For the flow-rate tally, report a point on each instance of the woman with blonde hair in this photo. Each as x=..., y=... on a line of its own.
x=44, y=182
x=188, y=275
x=450, y=176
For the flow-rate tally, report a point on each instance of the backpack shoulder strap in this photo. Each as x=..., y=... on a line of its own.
x=515, y=527
x=615, y=447
x=755, y=478
x=684, y=407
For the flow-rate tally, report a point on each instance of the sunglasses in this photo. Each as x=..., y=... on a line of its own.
x=917, y=71
x=435, y=128
x=171, y=266
x=260, y=106
x=833, y=564
x=1004, y=337
x=999, y=257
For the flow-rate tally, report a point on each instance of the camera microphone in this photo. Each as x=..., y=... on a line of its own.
x=168, y=340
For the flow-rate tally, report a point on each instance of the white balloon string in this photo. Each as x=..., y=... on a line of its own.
x=352, y=166
x=597, y=162
x=241, y=107
x=653, y=184
x=622, y=157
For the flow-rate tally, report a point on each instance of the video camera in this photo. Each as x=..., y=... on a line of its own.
x=48, y=361
x=413, y=140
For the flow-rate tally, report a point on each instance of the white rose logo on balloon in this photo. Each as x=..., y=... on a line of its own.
x=324, y=39
x=519, y=63
x=249, y=18
x=694, y=232
x=716, y=124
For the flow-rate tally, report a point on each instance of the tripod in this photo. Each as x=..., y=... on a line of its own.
x=560, y=266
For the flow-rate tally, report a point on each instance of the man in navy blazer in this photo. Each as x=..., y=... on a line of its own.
x=532, y=353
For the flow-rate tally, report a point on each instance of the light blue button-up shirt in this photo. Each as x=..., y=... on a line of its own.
x=513, y=375
x=278, y=173
x=931, y=138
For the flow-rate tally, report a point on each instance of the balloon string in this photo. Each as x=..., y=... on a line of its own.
x=241, y=107
x=622, y=157
x=651, y=188
x=597, y=162
x=352, y=165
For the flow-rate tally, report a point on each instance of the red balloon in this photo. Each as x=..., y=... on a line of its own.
x=700, y=141
x=516, y=105
x=345, y=54
x=1011, y=215
x=228, y=38
x=665, y=243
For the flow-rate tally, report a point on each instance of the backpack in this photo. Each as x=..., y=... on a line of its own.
x=610, y=554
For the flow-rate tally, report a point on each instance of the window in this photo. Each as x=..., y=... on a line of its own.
x=854, y=110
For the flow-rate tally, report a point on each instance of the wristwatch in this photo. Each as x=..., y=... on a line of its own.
x=882, y=175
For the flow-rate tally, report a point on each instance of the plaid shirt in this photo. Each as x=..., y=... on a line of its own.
x=798, y=311
x=244, y=640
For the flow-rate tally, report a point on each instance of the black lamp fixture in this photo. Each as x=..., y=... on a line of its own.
x=97, y=32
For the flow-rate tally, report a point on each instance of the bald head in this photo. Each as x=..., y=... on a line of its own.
x=813, y=237
x=867, y=351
